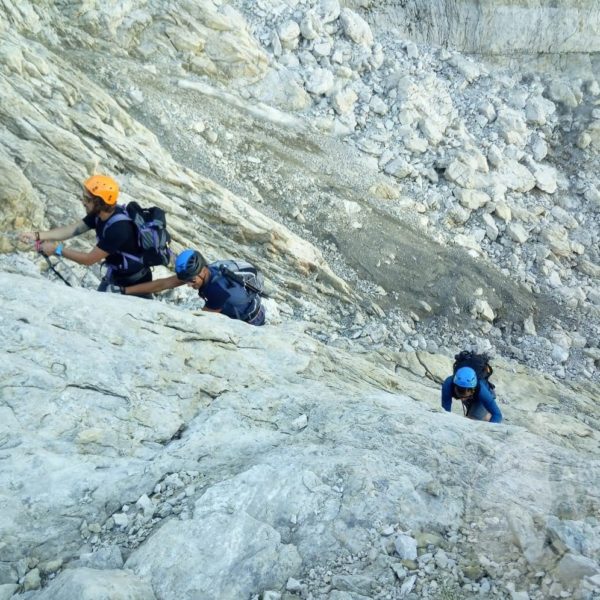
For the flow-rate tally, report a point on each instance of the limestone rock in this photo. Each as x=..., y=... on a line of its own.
x=311, y=25
x=89, y=584
x=545, y=178
x=319, y=82
x=406, y=547
x=471, y=199
x=344, y=100
x=329, y=10
x=356, y=28
x=573, y=567
x=516, y=176
x=288, y=33
x=517, y=232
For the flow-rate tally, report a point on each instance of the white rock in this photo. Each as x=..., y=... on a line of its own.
x=584, y=139
x=511, y=121
x=356, y=28
x=146, y=505
x=572, y=568
x=516, y=176
x=563, y=93
x=561, y=339
x=471, y=199
x=280, y=89
x=517, y=232
x=311, y=25
x=545, y=178
x=469, y=69
x=329, y=10
x=559, y=354
x=491, y=229
x=276, y=44
x=406, y=547
x=495, y=156
x=300, y=423
x=592, y=195
x=121, y=520
x=503, y=211
x=557, y=239
x=430, y=131
x=529, y=326
x=288, y=33
x=293, y=585
x=378, y=106
x=486, y=108
x=85, y=583
x=399, y=168
x=483, y=309
x=321, y=49
x=416, y=144
x=344, y=100
x=538, y=109
x=539, y=147
x=407, y=586
x=319, y=82
x=554, y=280
x=411, y=50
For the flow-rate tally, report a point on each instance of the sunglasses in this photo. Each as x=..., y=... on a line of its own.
x=462, y=391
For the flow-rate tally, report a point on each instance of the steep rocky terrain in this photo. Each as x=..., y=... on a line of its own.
x=404, y=201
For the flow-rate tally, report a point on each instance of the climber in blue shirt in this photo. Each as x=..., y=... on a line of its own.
x=216, y=283
x=477, y=397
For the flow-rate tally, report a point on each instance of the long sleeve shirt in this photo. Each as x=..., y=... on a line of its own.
x=483, y=395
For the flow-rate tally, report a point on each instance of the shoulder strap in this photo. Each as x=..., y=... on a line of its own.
x=118, y=216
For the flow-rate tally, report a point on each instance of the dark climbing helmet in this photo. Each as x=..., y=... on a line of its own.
x=465, y=378
x=188, y=264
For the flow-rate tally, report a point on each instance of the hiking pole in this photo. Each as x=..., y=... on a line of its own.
x=50, y=265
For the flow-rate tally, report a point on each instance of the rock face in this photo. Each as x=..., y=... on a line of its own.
x=174, y=435
x=525, y=26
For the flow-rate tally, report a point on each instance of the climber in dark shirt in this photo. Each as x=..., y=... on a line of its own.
x=116, y=236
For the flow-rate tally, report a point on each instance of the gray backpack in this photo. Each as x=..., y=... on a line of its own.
x=243, y=273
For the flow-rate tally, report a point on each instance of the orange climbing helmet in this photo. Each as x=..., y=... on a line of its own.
x=103, y=187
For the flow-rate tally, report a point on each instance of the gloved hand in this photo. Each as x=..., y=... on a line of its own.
x=115, y=289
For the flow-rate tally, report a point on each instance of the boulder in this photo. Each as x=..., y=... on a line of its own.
x=90, y=584
x=356, y=28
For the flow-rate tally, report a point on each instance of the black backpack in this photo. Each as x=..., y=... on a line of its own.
x=480, y=363
x=153, y=237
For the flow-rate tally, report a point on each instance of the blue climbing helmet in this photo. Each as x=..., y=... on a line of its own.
x=465, y=378
x=188, y=264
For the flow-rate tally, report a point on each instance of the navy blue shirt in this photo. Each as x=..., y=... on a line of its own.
x=230, y=297
x=119, y=237
x=483, y=394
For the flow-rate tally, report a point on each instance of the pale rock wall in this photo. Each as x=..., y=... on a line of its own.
x=228, y=460
x=505, y=27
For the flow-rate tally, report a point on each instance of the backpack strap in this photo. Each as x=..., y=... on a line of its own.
x=116, y=218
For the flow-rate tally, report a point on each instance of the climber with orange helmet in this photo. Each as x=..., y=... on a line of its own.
x=116, y=236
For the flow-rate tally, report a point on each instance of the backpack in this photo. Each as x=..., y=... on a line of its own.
x=153, y=237
x=243, y=273
x=480, y=363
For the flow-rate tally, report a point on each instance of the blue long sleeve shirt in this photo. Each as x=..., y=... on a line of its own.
x=483, y=395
